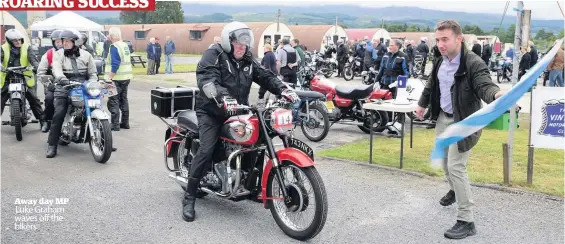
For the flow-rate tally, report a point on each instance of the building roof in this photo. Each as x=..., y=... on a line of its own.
x=310, y=35
x=361, y=33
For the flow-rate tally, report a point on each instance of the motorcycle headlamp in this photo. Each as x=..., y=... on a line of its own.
x=94, y=88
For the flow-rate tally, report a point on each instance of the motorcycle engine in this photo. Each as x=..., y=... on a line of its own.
x=218, y=178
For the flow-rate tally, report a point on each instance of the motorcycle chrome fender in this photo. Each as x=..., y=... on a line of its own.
x=99, y=114
x=290, y=154
x=16, y=95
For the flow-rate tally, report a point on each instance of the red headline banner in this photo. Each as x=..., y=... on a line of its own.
x=105, y=5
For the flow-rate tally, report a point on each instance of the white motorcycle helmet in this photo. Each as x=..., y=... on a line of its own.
x=13, y=34
x=236, y=31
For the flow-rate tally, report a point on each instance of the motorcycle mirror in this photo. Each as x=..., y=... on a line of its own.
x=210, y=90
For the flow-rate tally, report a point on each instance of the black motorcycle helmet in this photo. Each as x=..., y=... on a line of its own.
x=55, y=35
x=12, y=35
x=72, y=35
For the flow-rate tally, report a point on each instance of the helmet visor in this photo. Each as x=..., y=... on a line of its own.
x=242, y=36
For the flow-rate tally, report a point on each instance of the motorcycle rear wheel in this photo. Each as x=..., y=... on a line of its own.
x=16, y=118
x=299, y=202
x=379, y=117
x=105, y=144
x=178, y=160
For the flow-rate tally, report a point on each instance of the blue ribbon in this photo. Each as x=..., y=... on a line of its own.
x=478, y=120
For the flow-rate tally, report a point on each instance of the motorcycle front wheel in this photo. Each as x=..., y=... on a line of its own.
x=307, y=196
x=315, y=128
x=101, y=144
x=15, y=110
x=348, y=73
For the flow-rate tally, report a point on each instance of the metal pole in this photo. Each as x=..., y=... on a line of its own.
x=530, y=171
x=517, y=44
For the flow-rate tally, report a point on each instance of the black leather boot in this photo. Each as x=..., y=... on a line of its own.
x=124, y=126
x=461, y=230
x=46, y=126
x=51, y=151
x=448, y=199
x=188, y=213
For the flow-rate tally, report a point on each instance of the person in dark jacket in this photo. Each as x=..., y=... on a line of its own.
x=150, y=50
x=487, y=53
x=360, y=52
x=379, y=52
x=269, y=61
x=231, y=69
x=476, y=48
x=533, y=54
x=410, y=54
x=158, y=52
x=457, y=84
x=341, y=57
x=525, y=61
x=392, y=65
x=423, y=50
x=170, y=49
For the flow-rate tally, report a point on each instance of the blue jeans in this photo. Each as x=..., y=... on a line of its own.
x=168, y=64
x=556, y=75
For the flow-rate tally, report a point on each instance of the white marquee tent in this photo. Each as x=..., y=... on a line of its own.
x=67, y=19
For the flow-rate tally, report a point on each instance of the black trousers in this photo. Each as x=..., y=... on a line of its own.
x=340, y=66
x=157, y=64
x=119, y=103
x=49, y=106
x=31, y=99
x=61, y=105
x=209, y=133
x=424, y=65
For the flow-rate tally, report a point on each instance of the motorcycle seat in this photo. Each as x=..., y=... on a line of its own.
x=188, y=120
x=354, y=92
x=309, y=94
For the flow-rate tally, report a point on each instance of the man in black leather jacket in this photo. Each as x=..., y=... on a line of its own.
x=230, y=66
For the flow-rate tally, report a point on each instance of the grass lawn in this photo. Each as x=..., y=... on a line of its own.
x=144, y=55
x=177, y=68
x=485, y=161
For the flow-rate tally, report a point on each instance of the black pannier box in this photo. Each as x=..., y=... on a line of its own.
x=166, y=101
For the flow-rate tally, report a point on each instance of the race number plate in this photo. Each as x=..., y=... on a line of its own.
x=301, y=146
x=15, y=87
x=330, y=106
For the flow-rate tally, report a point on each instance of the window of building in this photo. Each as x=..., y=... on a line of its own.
x=195, y=35
x=140, y=35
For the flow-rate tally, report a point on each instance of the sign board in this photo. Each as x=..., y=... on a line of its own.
x=547, y=117
x=401, y=92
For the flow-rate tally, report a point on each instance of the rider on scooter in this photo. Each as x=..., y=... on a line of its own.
x=230, y=66
x=44, y=69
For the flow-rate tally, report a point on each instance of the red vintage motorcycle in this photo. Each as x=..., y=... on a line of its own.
x=345, y=103
x=287, y=183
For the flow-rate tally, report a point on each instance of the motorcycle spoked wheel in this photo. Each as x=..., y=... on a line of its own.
x=179, y=157
x=348, y=73
x=15, y=110
x=101, y=145
x=307, y=195
x=320, y=114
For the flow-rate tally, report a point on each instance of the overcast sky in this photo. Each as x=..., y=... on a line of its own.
x=540, y=9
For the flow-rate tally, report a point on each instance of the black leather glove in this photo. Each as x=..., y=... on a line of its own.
x=290, y=95
x=230, y=105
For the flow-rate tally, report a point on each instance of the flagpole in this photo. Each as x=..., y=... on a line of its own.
x=517, y=54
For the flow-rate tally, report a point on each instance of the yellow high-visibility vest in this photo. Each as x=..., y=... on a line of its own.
x=23, y=62
x=124, y=71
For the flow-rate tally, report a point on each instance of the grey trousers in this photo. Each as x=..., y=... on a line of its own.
x=150, y=66
x=455, y=167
